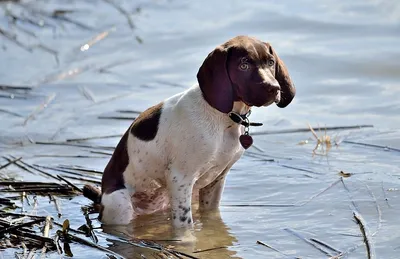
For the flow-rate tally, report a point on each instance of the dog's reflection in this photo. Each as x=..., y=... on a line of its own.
x=210, y=233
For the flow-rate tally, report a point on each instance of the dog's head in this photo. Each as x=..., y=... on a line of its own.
x=248, y=70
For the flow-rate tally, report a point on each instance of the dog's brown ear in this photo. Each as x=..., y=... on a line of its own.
x=288, y=90
x=214, y=80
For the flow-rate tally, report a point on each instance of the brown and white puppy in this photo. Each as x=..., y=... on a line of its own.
x=183, y=147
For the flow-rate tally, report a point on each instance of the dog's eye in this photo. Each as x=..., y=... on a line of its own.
x=244, y=66
x=270, y=62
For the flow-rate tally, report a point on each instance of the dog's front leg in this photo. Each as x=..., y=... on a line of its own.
x=210, y=195
x=180, y=188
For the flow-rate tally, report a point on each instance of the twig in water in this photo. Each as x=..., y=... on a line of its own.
x=12, y=228
x=308, y=129
x=36, y=169
x=65, y=75
x=64, y=171
x=102, y=153
x=300, y=169
x=69, y=156
x=38, y=109
x=319, y=193
x=87, y=93
x=95, y=39
x=46, y=232
x=298, y=235
x=49, y=50
x=91, y=138
x=363, y=227
x=116, y=118
x=209, y=249
x=123, y=12
x=87, y=243
x=325, y=245
x=57, y=205
x=70, y=184
x=129, y=111
x=82, y=179
x=366, y=233
x=10, y=162
x=15, y=87
x=81, y=169
x=13, y=38
x=258, y=156
x=20, y=166
x=348, y=193
x=105, y=68
x=57, y=14
x=371, y=145
x=272, y=248
x=11, y=112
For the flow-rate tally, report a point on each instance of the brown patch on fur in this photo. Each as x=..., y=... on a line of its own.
x=91, y=192
x=145, y=126
x=113, y=178
x=142, y=200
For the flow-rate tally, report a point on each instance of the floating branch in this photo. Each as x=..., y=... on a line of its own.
x=366, y=233
x=105, y=68
x=298, y=235
x=13, y=38
x=64, y=75
x=70, y=184
x=87, y=93
x=299, y=169
x=15, y=87
x=91, y=138
x=10, y=162
x=11, y=112
x=95, y=39
x=308, y=129
x=12, y=228
x=40, y=108
x=129, y=111
x=20, y=166
x=325, y=245
x=81, y=169
x=272, y=248
x=123, y=12
x=116, y=118
x=37, y=169
x=209, y=249
x=371, y=145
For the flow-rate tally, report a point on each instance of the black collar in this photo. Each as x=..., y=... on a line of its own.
x=243, y=119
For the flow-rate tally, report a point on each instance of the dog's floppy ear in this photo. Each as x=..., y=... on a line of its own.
x=214, y=80
x=288, y=90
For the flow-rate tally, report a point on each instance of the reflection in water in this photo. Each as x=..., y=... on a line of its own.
x=210, y=232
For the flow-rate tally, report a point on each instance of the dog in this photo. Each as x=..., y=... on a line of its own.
x=181, y=150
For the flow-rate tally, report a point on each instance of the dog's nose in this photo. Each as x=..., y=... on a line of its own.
x=273, y=88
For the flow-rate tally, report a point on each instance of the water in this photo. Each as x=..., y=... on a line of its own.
x=343, y=57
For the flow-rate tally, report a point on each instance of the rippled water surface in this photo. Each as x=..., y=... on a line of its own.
x=342, y=55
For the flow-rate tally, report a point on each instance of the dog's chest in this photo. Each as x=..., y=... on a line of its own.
x=227, y=152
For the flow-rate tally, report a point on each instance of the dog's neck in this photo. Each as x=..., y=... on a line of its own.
x=241, y=108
